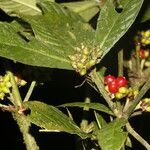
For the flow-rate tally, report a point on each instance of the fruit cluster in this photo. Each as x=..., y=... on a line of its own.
x=84, y=58
x=116, y=86
x=5, y=86
x=143, y=37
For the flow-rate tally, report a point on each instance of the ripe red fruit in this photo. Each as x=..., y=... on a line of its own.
x=142, y=54
x=108, y=79
x=113, y=87
x=121, y=81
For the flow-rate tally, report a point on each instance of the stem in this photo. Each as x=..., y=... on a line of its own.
x=30, y=91
x=142, y=64
x=137, y=113
x=3, y=106
x=100, y=85
x=120, y=63
x=15, y=90
x=137, y=99
x=138, y=67
x=127, y=104
x=137, y=136
x=24, y=126
x=84, y=122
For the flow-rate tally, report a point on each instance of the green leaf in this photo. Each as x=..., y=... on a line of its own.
x=95, y=106
x=51, y=119
x=112, y=25
x=100, y=120
x=112, y=136
x=145, y=12
x=24, y=7
x=57, y=34
x=86, y=9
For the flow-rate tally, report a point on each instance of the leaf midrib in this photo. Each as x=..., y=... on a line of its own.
x=30, y=6
x=111, y=29
x=51, y=56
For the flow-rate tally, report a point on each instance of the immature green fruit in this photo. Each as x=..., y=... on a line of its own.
x=146, y=100
x=147, y=64
x=6, y=90
x=135, y=92
x=123, y=90
x=85, y=51
x=6, y=78
x=2, y=95
x=119, y=95
x=80, y=65
x=73, y=58
x=22, y=83
x=2, y=84
x=83, y=72
x=147, y=109
x=83, y=58
x=90, y=64
x=147, y=33
x=8, y=84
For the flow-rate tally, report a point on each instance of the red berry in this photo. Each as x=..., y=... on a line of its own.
x=113, y=87
x=121, y=81
x=108, y=79
x=142, y=54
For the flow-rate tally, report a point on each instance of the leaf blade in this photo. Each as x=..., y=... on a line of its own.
x=56, y=35
x=112, y=136
x=51, y=119
x=24, y=7
x=95, y=106
x=112, y=25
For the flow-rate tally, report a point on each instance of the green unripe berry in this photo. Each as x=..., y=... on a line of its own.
x=147, y=42
x=135, y=92
x=73, y=58
x=80, y=65
x=147, y=33
x=119, y=95
x=8, y=84
x=90, y=64
x=6, y=78
x=5, y=90
x=146, y=100
x=82, y=72
x=23, y=83
x=2, y=95
x=147, y=64
x=85, y=51
x=2, y=84
x=83, y=58
x=147, y=109
x=123, y=90
x=74, y=65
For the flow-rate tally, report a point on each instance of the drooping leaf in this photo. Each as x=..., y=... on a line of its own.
x=86, y=9
x=112, y=25
x=14, y=7
x=145, y=13
x=112, y=136
x=95, y=106
x=100, y=120
x=51, y=119
x=57, y=34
